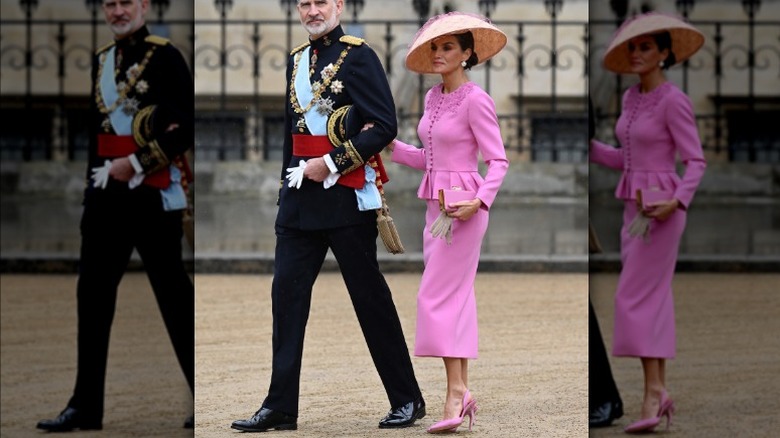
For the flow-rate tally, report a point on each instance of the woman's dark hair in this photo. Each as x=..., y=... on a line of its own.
x=466, y=41
x=664, y=41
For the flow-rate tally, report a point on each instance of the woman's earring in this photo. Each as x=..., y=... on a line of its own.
x=463, y=64
x=661, y=64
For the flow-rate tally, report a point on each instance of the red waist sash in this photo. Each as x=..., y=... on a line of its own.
x=319, y=145
x=113, y=146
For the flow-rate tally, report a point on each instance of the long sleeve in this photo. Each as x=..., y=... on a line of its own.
x=174, y=107
x=606, y=155
x=681, y=123
x=373, y=101
x=409, y=155
x=484, y=125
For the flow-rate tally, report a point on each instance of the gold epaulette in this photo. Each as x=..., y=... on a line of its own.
x=154, y=39
x=104, y=48
x=299, y=48
x=352, y=40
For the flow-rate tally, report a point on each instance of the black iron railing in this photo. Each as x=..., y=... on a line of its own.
x=733, y=81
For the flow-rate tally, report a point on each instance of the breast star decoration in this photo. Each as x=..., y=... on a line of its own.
x=336, y=87
x=325, y=106
x=142, y=87
x=328, y=72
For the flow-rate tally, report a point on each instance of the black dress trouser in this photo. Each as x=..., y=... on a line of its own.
x=299, y=258
x=113, y=223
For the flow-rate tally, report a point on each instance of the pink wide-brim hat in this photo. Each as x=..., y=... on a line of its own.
x=488, y=39
x=686, y=39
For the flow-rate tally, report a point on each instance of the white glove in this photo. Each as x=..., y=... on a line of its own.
x=100, y=175
x=295, y=175
x=136, y=180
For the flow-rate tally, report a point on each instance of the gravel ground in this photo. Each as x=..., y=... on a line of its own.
x=530, y=379
x=725, y=381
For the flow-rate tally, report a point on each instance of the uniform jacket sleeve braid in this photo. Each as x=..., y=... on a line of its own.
x=366, y=83
x=174, y=105
x=484, y=125
x=681, y=123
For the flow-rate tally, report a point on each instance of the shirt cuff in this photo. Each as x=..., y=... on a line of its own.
x=136, y=164
x=329, y=162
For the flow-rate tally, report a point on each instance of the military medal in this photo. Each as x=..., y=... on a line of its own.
x=325, y=106
x=130, y=106
x=134, y=71
x=142, y=87
x=301, y=124
x=328, y=72
x=106, y=125
x=336, y=87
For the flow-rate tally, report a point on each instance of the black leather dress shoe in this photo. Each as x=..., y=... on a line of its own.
x=265, y=419
x=604, y=414
x=189, y=423
x=404, y=416
x=68, y=420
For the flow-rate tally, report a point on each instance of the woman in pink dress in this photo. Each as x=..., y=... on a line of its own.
x=459, y=123
x=657, y=123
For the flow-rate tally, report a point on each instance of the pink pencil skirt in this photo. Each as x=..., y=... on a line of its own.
x=644, y=306
x=446, y=301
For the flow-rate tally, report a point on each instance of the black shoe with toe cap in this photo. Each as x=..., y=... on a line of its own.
x=404, y=416
x=266, y=419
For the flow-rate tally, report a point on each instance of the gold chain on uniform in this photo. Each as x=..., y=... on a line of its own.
x=123, y=92
x=316, y=92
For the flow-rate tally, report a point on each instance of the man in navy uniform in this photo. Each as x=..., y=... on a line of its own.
x=328, y=199
x=141, y=122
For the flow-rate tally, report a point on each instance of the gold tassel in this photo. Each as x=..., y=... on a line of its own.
x=384, y=223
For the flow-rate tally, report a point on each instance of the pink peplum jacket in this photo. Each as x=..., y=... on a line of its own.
x=652, y=129
x=454, y=129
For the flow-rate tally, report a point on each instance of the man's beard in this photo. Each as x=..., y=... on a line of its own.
x=319, y=29
x=122, y=29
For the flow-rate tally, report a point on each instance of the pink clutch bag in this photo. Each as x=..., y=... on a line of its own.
x=646, y=197
x=447, y=197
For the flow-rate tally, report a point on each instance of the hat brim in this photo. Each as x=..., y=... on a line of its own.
x=686, y=39
x=488, y=39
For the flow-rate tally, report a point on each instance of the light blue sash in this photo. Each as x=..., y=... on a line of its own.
x=173, y=196
x=316, y=122
x=120, y=121
x=368, y=197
